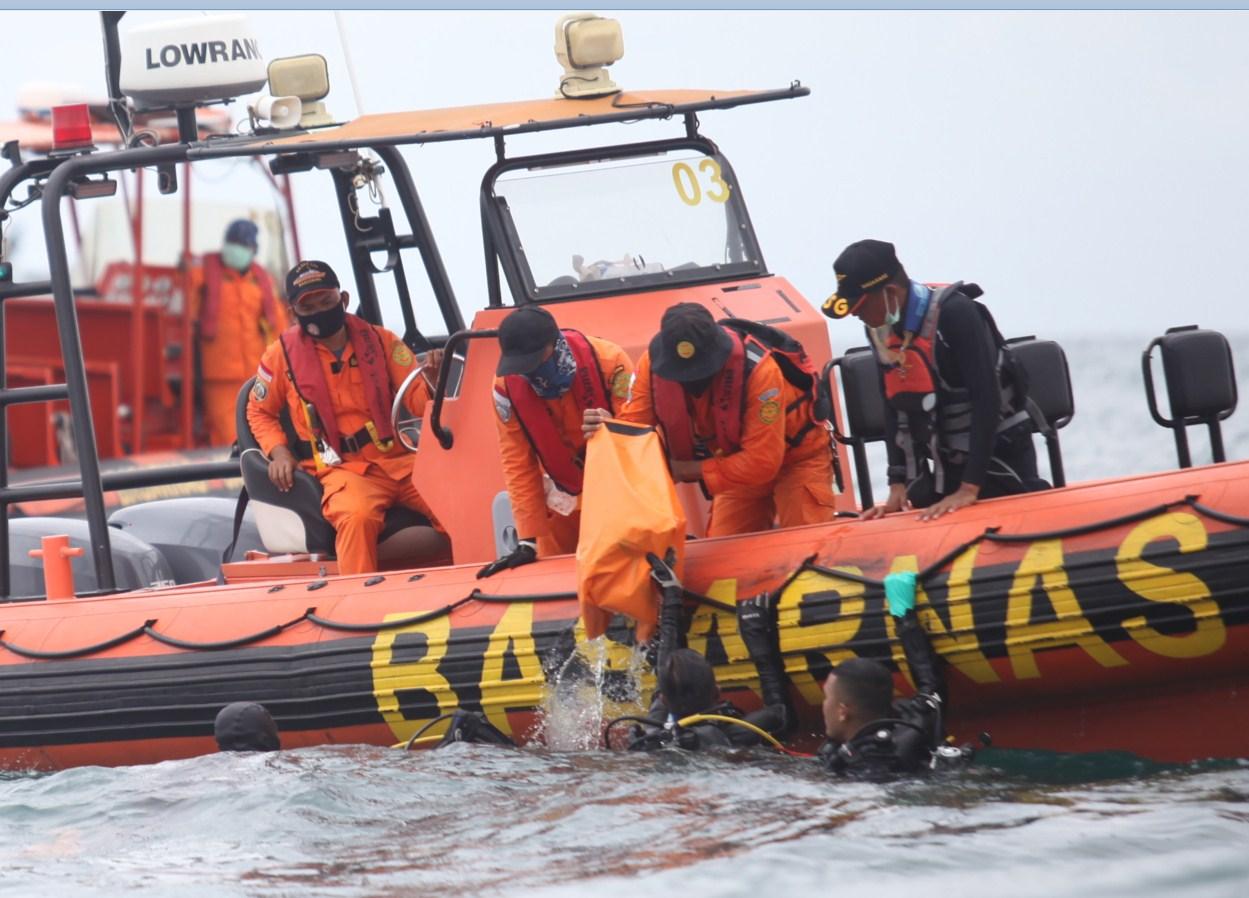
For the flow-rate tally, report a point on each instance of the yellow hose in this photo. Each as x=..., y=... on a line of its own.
x=421, y=741
x=759, y=731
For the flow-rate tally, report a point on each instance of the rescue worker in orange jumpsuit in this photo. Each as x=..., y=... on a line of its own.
x=337, y=374
x=547, y=378
x=733, y=422
x=238, y=313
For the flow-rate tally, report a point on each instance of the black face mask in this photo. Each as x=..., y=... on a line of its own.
x=324, y=324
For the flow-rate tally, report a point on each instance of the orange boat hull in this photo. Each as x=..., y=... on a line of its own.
x=1111, y=615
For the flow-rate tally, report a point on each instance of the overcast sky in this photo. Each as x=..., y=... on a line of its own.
x=1088, y=169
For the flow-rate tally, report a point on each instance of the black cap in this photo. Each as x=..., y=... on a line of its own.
x=246, y=726
x=524, y=337
x=307, y=276
x=690, y=345
x=862, y=267
x=242, y=232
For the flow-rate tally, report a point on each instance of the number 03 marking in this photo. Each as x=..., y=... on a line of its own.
x=691, y=191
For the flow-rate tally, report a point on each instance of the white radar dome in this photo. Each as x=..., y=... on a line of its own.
x=193, y=60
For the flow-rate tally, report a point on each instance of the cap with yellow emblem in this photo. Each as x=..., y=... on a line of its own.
x=862, y=267
x=308, y=276
x=690, y=345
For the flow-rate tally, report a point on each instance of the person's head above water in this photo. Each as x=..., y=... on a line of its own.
x=872, y=285
x=687, y=683
x=246, y=726
x=857, y=692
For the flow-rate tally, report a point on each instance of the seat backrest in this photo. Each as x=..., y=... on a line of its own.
x=865, y=398
x=1200, y=374
x=290, y=521
x=1049, y=378
x=1201, y=385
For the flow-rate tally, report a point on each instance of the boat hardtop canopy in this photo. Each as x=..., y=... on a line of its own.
x=502, y=119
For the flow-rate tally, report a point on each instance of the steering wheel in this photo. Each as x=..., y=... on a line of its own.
x=405, y=426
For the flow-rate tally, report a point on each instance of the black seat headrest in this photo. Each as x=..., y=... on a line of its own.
x=865, y=398
x=1200, y=374
x=1049, y=378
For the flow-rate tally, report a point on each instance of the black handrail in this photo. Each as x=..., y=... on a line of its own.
x=122, y=480
x=444, y=435
x=54, y=191
x=414, y=210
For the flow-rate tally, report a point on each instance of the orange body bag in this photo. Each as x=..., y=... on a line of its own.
x=629, y=507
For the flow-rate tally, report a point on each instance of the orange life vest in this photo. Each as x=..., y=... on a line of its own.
x=210, y=312
x=796, y=368
x=309, y=379
x=589, y=390
x=728, y=390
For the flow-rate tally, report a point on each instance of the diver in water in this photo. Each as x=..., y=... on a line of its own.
x=868, y=734
x=687, y=710
x=246, y=726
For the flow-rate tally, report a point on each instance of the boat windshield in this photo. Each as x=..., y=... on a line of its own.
x=607, y=225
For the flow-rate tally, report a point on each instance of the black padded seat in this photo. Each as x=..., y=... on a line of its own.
x=863, y=410
x=292, y=521
x=1049, y=392
x=1200, y=375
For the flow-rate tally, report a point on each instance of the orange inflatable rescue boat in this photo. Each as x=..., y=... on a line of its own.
x=1105, y=615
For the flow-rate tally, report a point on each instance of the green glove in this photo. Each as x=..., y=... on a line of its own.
x=900, y=592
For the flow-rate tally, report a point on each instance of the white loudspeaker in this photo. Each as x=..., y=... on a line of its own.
x=281, y=112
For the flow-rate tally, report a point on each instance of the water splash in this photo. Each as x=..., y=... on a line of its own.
x=601, y=680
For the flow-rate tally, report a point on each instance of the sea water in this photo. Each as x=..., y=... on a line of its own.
x=572, y=819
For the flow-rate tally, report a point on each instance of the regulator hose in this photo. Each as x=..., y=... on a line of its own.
x=758, y=731
x=416, y=737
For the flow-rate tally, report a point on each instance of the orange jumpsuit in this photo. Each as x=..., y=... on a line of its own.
x=230, y=358
x=358, y=491
x=765, y=479
x=522, y=471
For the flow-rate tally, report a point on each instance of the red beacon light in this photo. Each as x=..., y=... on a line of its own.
x=71, y=127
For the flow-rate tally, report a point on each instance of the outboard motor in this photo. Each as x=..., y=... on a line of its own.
x=1050, y=399
x=865, y=410
x=136, y=564
x=191, y=533
x=1201, y=385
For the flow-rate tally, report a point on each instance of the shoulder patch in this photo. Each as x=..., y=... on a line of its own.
x=769, y=411
x=502, y=407
x=263, y=373
x=401, y=355
x=769, y=394
x=620, y=382
x=260, y=390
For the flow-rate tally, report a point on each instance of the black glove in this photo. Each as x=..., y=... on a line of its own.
x=661, y=570
x=757, y=626
x=526, y=552
x=671, y=604
x=473, y=726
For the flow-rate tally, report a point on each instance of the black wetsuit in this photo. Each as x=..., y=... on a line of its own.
x=966, y=355
x=756, y=624
x=906, y=742
x=713, y=733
